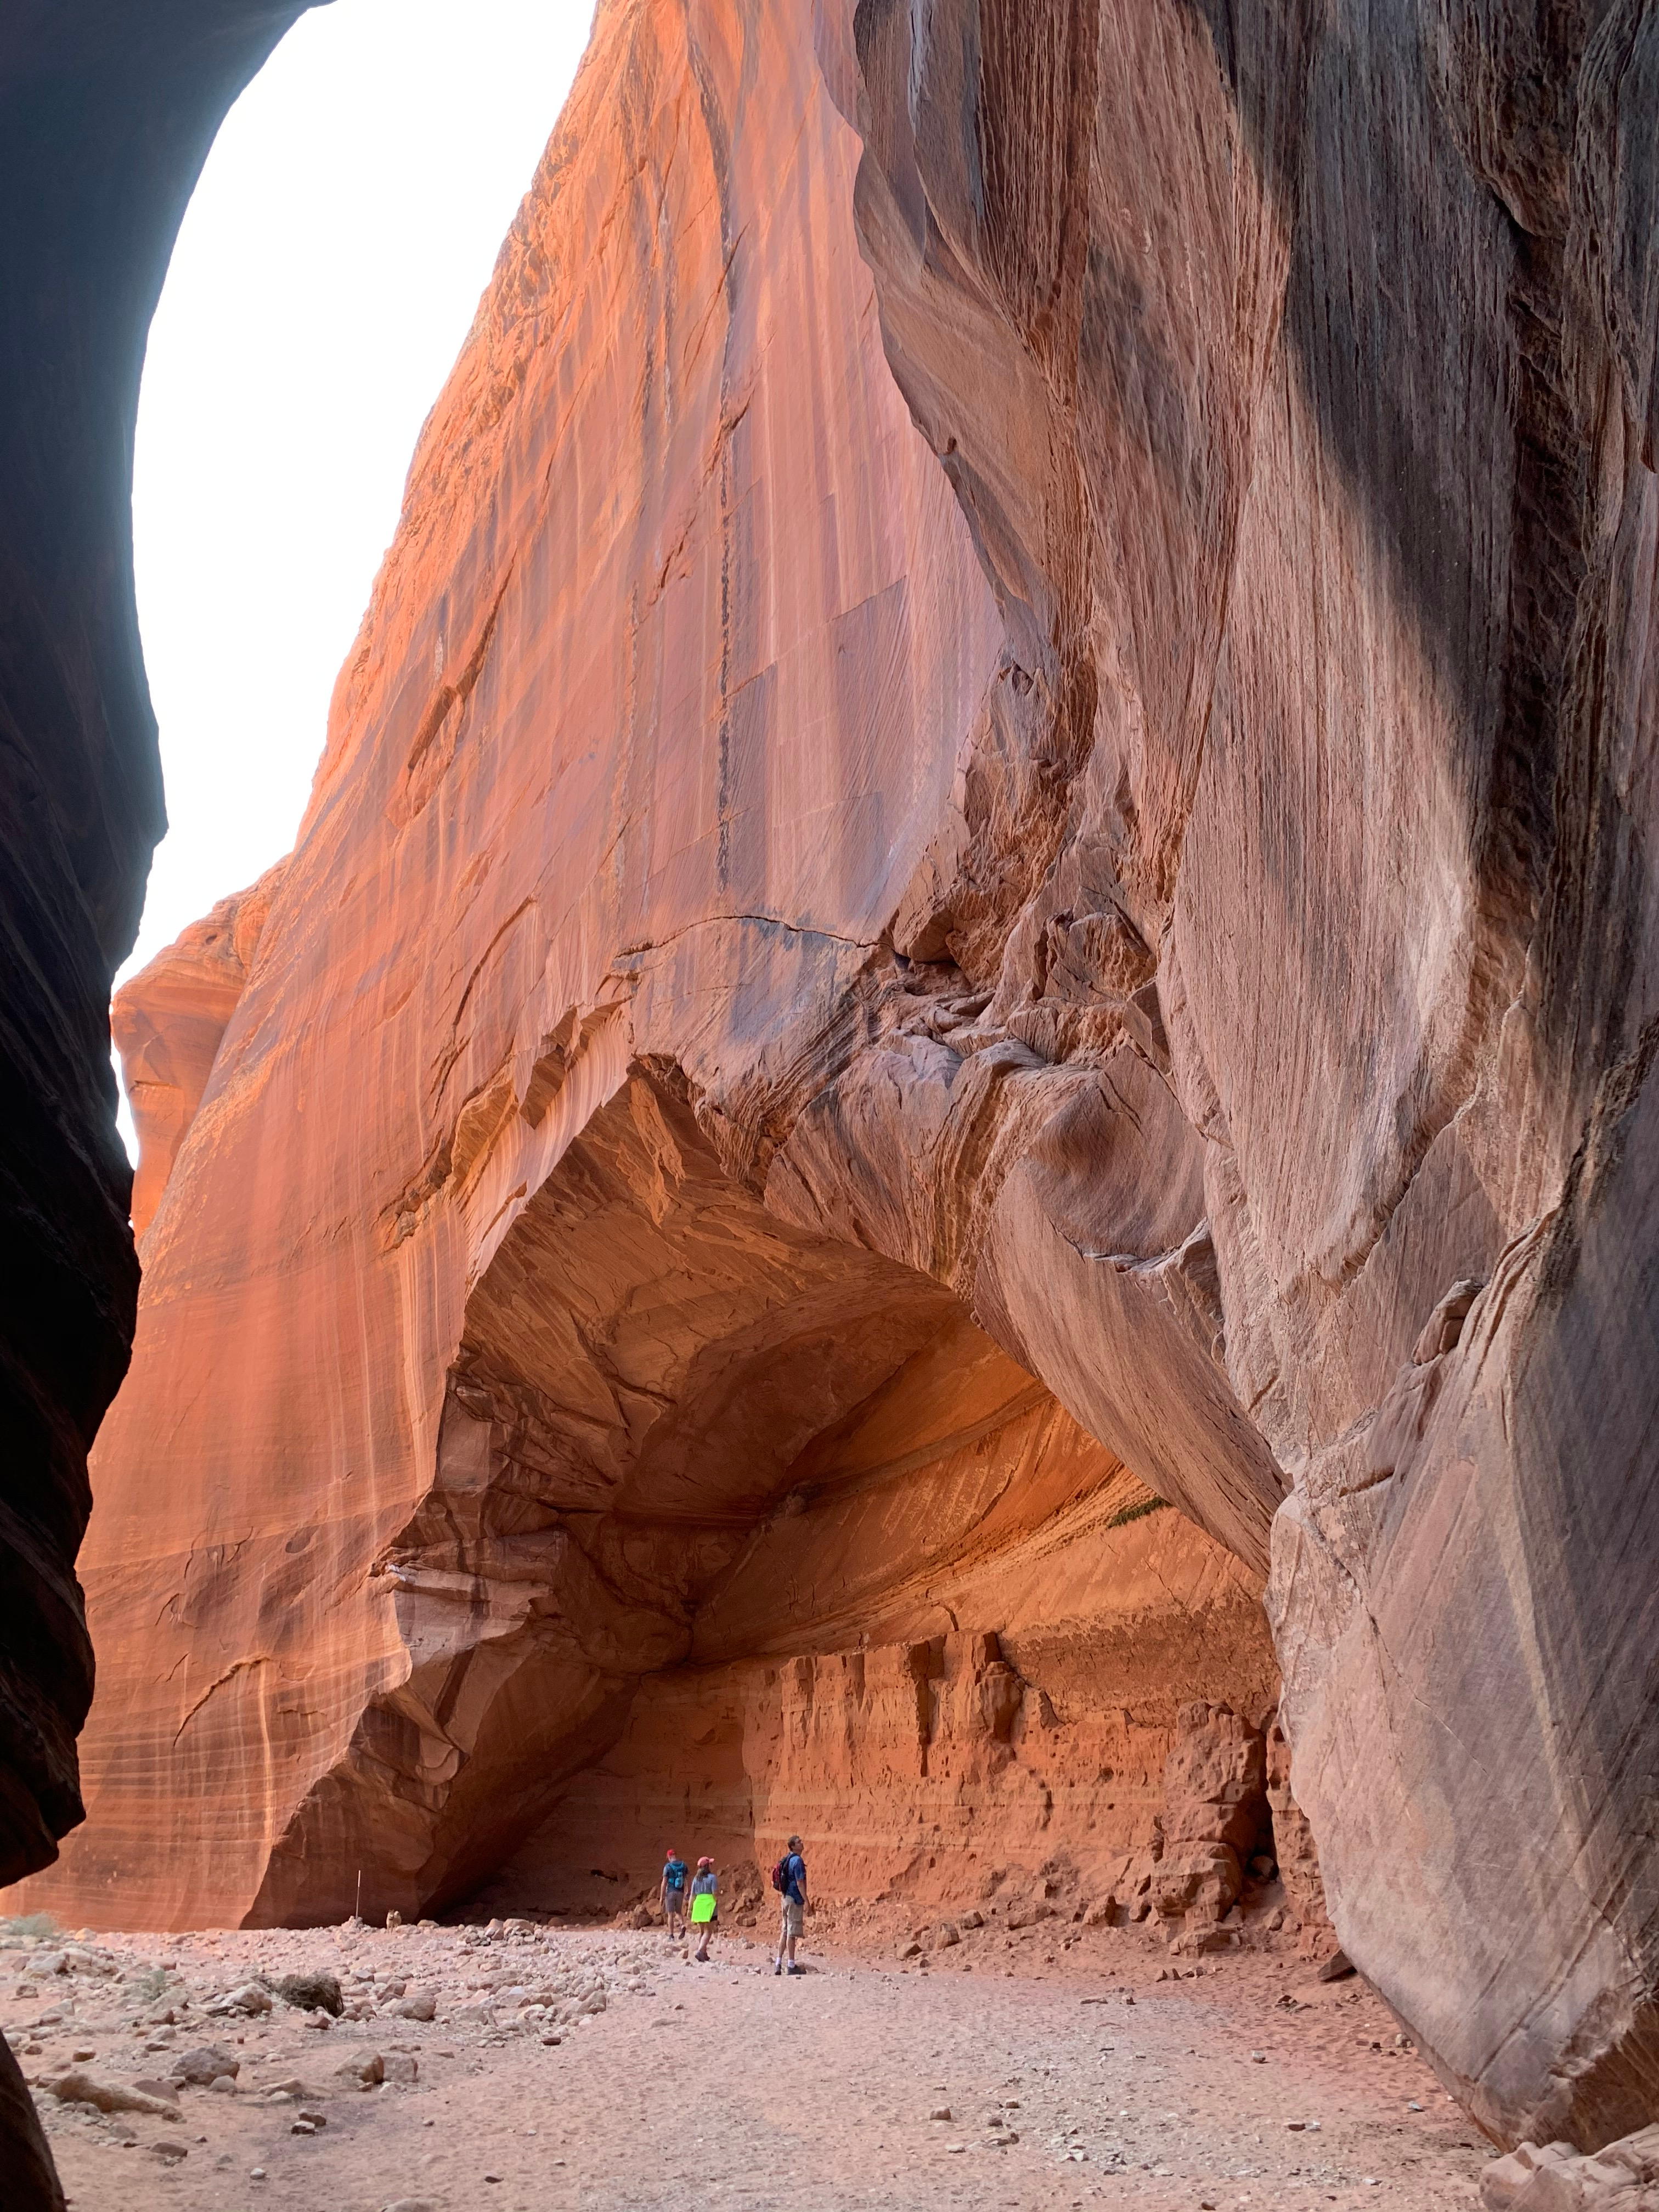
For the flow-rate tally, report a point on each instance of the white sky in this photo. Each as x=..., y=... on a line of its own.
x=326, y=275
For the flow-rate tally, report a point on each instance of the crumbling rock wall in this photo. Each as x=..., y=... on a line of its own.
x=943, y=1769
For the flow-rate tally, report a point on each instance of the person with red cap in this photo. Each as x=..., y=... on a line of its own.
x=670, y=1895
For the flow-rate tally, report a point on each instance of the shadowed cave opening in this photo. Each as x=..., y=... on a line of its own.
x=736, y=1528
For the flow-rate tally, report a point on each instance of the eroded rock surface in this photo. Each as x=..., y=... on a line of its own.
x=1295, y=369
x=870, y=977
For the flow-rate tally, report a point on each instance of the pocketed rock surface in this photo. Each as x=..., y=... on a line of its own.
x=589, y=2068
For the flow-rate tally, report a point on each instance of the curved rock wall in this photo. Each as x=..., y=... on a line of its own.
x=105, y=115
x=781, y=1071
x=1294, y=369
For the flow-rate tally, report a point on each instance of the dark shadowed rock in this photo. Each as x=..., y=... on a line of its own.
x=105, y=118
x=1294, y=370
x=311, y=1992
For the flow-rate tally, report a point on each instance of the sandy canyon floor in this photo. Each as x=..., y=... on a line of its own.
x=598, y=2069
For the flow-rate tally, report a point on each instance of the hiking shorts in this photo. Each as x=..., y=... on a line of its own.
x=675, y=1908
x=794, y=1917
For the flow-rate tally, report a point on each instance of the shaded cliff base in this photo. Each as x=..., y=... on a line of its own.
x=689, y=1456
x=944, y=1800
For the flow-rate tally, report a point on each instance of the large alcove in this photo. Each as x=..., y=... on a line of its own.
x=724, y=1513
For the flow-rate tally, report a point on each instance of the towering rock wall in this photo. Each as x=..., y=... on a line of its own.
x=660, y=693
x=105, y=115
x=1294, y=367
x=511, y=1330
x=783, y=1073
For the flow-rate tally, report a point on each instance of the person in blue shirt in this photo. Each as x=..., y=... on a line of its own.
x=670, y=1894
x=792, y=1875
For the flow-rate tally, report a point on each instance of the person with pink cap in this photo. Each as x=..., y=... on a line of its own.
x=705, y=1906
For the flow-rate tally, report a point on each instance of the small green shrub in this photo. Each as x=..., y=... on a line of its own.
x=27, y=1924
x=1139, y=1512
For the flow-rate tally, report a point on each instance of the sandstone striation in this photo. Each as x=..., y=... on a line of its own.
x=557, y=1354
x=1294, y=367
x=953, y=892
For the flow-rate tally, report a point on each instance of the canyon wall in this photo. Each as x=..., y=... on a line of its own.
x=950, y=891
x=106, y=116
x=103, y=129
x=1295, y=369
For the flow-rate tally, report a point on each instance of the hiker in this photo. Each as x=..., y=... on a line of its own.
x=670, y=1895
x=789, y=1880
x=705, y=1906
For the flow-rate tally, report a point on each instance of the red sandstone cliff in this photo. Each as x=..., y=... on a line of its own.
x=784, y=1084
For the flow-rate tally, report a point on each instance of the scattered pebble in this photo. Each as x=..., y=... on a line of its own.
x=478, y=2015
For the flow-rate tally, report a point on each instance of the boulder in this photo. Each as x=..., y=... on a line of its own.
x=206, y=2064
x=80, y=2087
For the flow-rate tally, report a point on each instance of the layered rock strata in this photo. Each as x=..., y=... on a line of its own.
x=781, y=1069
x=1057, y=1756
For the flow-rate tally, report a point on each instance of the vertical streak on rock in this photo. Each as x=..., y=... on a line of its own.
x=1361, y=418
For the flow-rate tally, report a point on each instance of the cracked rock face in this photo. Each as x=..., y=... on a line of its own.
x=983, y=859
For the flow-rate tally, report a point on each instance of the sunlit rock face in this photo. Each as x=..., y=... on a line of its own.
x=1294, y=367
x=598, y=1249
